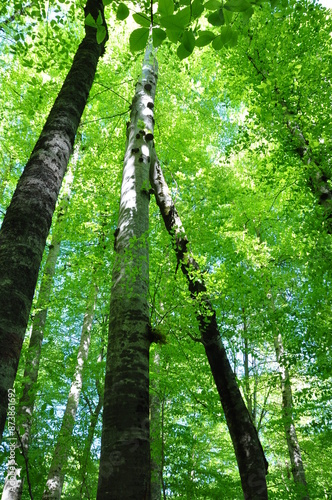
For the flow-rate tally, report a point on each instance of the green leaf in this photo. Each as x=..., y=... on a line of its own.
x=246, y=15
x=166, y=7
x=138, y=39
x=233, y=39
x=196, y=8
x=274, y=3
x=158, y=36
x=228, y=15
x=89, y=21
x=213, y=5
x=204, y=38
x=142, y=19
x=217, y=18
x=227, y=37
x=188, y=41
x=101, y=33
x=182, y=52
x=174, y=35
x=237, y=5
x=177, y=22
x=217, y=43
x=122, y=12
x=106, y=2
x=99, y=19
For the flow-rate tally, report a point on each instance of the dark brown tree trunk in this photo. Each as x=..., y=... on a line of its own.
x=124, y=472
x=29, y=215
x=27, y=400
x=248, y=450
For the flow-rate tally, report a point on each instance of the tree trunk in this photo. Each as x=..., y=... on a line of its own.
x=89, y=441
x=125, y=445
x=56, y=475
x=248, y=450
x=156, y=438
x=287, y=414
x=247, y=390
x=29, y=215
x=319, y=180
x=27, y=400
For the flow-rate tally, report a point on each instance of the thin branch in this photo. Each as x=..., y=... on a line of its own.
x=104, y=118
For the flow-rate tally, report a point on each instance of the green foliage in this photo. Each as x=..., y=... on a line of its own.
x=122, y=12
x=252, y=219
x=138, y=39
x=142, y=19
x=165, y=7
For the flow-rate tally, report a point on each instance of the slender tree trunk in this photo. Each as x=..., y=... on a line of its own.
x=163, y=447
x=89, y=441
x=247, y=391
x=27, y=400
x=248, y=450
x=125, y=445
x=289, y=426
x=56, y=475
x=155, y=433
x=29, y=215
x=319, y=180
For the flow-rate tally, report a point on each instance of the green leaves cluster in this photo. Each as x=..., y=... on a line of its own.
x=180, y=24
x=98, y=25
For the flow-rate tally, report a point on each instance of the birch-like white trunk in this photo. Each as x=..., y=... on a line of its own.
x=56, y=475
x=125, y=445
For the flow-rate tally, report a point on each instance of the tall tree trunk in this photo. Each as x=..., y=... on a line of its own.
x=287, y=415
x=248, y=450
x=156, y=438
x=26, y=404
x=56, y=475
x=29, y=215
x=89, y=440
x=125, y=445
x=289, y=426
x=247, y=390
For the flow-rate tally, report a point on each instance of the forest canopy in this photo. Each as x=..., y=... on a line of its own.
x=165, y=250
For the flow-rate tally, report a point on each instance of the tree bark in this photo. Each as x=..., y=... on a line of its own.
x=125, y=445
x=155, y=436
x=288, y=421
x=248, y=450
x=29, y=215
x=89, y=441
x=27, y=400
x=55, y=479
